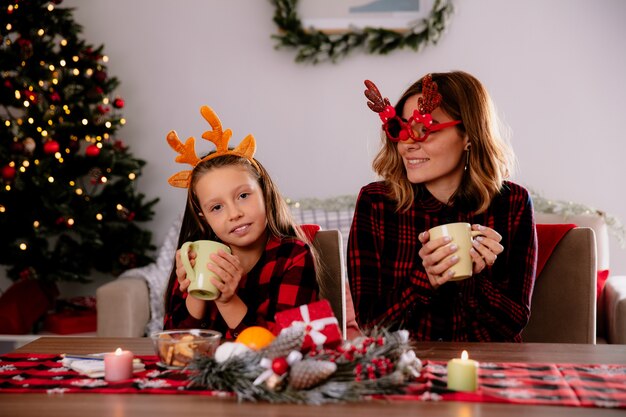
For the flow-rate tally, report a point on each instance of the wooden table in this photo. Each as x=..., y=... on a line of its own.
x=119, y=405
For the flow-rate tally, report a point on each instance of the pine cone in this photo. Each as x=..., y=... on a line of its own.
x=288, y=340
x=308, y=373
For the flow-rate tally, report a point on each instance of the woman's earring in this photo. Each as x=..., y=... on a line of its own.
x=467, y=151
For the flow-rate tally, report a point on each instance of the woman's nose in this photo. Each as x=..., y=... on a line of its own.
x=411, y=144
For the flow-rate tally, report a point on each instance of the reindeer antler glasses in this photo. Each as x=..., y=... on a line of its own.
x=420, y=125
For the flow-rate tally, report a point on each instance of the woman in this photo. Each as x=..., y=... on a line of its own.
x=442, y=161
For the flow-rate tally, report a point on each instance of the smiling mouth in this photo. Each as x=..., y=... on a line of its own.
x=240, y=229
x=414, y=162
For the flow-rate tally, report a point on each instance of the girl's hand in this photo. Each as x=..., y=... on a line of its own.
x=486, y=248
x=181, y=274
x=230, y=271
x=433, y=255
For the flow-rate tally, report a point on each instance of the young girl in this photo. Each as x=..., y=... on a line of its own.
x=232, y=199
x=442, y=161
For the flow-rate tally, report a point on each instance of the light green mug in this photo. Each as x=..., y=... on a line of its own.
x=200, y=276
x=462, y=236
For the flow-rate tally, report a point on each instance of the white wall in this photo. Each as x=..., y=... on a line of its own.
x=555, y=69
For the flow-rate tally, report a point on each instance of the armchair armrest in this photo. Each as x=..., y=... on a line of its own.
x=615, y=305
x=123, y=308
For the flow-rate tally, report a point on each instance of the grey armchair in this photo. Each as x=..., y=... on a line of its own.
x=131, y=306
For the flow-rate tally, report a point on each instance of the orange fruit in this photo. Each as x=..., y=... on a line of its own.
x=255, y=337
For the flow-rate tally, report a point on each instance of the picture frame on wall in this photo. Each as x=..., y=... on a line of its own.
x=332, y=16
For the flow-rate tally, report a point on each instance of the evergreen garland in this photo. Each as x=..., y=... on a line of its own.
x=315, y=46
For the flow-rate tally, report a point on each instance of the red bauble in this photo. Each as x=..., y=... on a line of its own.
x=8, y=172
x=280, y=366
x=100, y=76
x=92, y=151
x=118, y=103
x=51, y=147
x=17, y=147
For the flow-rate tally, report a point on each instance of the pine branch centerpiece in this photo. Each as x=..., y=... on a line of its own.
x=381, y=363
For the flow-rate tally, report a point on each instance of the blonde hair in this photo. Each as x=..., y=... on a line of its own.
x=491, y=159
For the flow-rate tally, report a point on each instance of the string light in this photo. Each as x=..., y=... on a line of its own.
x=50, y=179
x=70, y=222
x=2, y=208
x=79, y=191
x=99, y=216
x=132, y=176
x=23, y=246
x=35, y=224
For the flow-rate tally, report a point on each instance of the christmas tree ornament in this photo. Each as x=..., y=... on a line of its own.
x=118, y=103
x=26, y=48
x=51, y=147
x=8, y=173
x=29, y=145
x=92, y=151
x=100, y=76
x=17, y=147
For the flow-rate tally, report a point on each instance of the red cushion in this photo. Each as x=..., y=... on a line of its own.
x=548, y=236
x=603, y=275
x=310, y=230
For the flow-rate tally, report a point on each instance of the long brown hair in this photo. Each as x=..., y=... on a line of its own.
x=280, y=222
x=491, y=159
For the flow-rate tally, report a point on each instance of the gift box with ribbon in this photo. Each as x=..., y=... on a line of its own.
x=318, y=321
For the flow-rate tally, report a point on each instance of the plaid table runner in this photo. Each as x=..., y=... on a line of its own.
x=516, y=383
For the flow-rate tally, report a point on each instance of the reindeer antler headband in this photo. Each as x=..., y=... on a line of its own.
x=219, y=137
x=420, y=124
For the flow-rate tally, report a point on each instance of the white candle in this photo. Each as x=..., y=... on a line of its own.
x=118, y=365
x=463, y=374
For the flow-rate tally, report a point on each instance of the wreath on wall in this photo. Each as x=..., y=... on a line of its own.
x=315, y=46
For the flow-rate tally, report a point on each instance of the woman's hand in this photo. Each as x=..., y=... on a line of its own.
x=433, y=256
x=181, y=274
x=486, y=248
x=230, y=271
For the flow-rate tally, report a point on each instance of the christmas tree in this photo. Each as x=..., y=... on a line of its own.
x=68, y=198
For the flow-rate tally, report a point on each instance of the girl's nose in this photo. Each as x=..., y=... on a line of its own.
x=234, y=212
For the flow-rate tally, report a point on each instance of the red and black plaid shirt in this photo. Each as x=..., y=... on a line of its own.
x=283, y=278
x=389, y=284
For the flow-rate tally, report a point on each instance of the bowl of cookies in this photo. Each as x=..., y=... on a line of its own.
x=177, y=348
